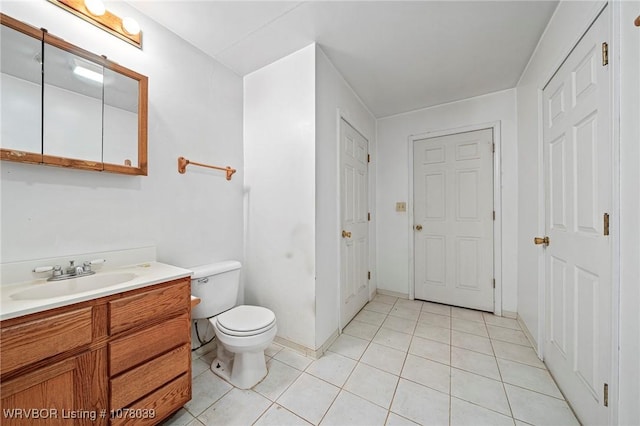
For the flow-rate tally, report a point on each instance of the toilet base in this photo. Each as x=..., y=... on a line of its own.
x=243, y=370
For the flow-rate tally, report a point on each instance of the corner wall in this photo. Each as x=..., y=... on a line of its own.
x=280, y=193
x=393, y=228
x=195, y=110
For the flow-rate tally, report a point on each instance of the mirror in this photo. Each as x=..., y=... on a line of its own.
x=91, y=112
x=124, y=108
x=21, y=93
x=71, y=106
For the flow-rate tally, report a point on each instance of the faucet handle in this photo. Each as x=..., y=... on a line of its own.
x=86, y=266
x=57, y=271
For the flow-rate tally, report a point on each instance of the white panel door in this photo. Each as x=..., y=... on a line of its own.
x=578, y=185
x=453, y=215
x=354, y=248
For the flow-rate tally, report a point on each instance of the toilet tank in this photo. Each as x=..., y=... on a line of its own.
x=216, y=285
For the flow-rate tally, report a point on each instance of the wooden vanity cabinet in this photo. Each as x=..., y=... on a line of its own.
x=120, y=359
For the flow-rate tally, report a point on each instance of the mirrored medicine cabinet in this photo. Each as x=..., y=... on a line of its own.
x=64, y=106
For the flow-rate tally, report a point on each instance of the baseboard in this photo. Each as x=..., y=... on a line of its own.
x=323, y=348
x=527, y=333
x=393, y=293
x=509, y=314
x=317, y=353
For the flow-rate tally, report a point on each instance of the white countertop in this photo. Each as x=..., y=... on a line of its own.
x=146, y=274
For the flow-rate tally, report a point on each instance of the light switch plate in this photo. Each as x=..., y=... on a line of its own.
x=401, y=206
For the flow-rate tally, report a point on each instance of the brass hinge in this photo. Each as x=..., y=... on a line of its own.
x=493, y=147
x=368, y=158
x=605, y=54
x=606, y=395
x=494, y=215
x=368, y=216
x=494, y=283
x=606, y=224
x=368, y=275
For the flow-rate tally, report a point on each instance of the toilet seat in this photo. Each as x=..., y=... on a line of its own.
x=246, y=320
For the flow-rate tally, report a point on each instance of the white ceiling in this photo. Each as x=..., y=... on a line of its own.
x=397, y=55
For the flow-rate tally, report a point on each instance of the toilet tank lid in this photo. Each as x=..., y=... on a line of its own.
x=214, y=268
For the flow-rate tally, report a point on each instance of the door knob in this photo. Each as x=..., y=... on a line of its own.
x=418, y=227
x=346, y=234
x=544, y=240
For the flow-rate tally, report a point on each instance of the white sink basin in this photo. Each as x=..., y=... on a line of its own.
x=72, y=286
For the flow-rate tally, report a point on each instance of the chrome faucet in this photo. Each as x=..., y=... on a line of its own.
x=71, y=271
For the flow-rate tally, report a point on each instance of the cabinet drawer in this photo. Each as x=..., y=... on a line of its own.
x=130, y=311
x=32, y=341
x=134, y=384
x=143, y=345
x=160, y=403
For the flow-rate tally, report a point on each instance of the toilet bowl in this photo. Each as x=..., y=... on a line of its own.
x=243, y=332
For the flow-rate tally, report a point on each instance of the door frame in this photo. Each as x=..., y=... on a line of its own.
x=339, y=117
x=497, y=203
x=614, y=85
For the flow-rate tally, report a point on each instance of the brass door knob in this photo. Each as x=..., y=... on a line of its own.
x=418, y=227
x=541, y=240
x=346, y=234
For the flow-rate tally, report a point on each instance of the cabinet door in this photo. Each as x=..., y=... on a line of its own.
x=131, y=311
x=67, y=392
x=33, y=341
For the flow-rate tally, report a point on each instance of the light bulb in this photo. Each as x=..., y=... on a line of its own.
x=96, y=7
x=130, y=26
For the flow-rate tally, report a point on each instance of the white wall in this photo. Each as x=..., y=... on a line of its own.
x=393, y=228
x=195, y=110
x=569, y=22
x=334, y=96
x=629, y=409
x=279, y=147
x=292, y=191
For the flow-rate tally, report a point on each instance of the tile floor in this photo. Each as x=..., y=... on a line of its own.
x=399, y=362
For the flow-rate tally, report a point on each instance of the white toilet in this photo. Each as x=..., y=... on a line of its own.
x=243, y=332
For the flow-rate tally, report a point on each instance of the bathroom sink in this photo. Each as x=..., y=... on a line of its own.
x=73, y=286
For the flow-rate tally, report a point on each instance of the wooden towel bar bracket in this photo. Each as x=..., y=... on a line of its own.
x=183, y=163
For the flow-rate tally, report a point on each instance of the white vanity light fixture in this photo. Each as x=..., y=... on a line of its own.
x=94, y=12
